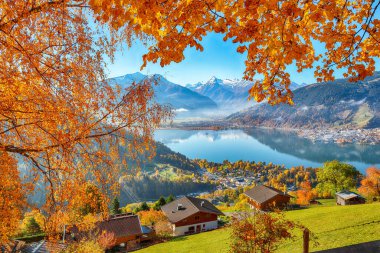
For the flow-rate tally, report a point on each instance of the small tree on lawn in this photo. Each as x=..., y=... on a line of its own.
x=370, y=185
x=335, y=176
x=115, y=206
x=163, y=229
x=254, y=232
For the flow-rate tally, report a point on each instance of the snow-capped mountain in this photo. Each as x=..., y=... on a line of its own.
x=166, y=92
x=229, y=92
x=224, y=92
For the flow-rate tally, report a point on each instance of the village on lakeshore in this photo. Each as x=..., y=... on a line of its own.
x=142, y=225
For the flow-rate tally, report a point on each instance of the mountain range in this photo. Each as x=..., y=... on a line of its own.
x=228, y=92
x=338, y=104
x=330, y=104
x=229, y=95
x=168, y=93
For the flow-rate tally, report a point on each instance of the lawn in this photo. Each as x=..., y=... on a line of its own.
x=335, y=226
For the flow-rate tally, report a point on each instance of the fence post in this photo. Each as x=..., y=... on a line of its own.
x=306, y=234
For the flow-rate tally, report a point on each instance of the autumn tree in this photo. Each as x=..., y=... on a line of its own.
x=254, y=232
x=271, y=34
x=370, y=185
x=305, y=193
x=106, y=240
x=12, y=197
x=58, y=113
x=163, y=228
x=336, y=176
x=150, y=217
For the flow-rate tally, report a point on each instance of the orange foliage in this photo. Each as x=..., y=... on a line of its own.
x=107, y=240
x=60, y=115
x=272, y=34
x=370, y=185
x=57, y=111
x=11, y=197
x=149, y=218
x=305, y=194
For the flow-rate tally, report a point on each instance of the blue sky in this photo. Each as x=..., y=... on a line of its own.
x=218, y=59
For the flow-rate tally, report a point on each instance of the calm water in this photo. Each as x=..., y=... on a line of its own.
x=265, y=145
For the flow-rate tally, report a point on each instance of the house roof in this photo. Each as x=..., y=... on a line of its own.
x=120, y=225
x=44, y=247
x=184, y=207
x=348, y=195
x=262, y=193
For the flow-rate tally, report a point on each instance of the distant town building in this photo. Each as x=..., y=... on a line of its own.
x=344, y=198
x=190, y=215
x=266, y=198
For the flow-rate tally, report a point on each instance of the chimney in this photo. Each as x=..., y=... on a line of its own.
x=202, y=203
x=179, y=207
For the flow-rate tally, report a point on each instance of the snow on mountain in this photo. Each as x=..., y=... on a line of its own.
x=168, y=93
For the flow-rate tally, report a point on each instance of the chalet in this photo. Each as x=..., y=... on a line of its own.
x=126, y=228
x=190, y=215
x=265, y=198
x=344, y=198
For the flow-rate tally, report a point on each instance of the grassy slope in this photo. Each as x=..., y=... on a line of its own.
x=335, y=226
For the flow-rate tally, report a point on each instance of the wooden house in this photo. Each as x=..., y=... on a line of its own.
x=267, y=198
x=190, y=215
x=125, y=227
x=344, y=198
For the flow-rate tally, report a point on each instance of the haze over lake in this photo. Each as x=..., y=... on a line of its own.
x=266, y=145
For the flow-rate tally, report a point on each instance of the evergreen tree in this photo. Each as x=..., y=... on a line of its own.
x=143, y=207
x=115, y=209
x=170, y=198
x=32, y=227
x=160, y=202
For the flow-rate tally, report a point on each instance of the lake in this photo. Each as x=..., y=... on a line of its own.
x=266, y=145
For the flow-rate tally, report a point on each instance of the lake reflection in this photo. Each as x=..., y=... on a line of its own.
x=266, y=145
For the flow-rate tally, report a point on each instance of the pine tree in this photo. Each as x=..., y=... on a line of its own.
x=170, y=198
x=160, y=202
x=115, y=209
x=144, y=207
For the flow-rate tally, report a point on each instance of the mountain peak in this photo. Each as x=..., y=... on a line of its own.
x=214, y=79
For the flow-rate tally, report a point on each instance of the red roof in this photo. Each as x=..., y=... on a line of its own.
x=120, y=225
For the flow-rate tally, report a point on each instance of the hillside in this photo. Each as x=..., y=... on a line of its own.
x=168, y=93
x=331, y=104
x=335, y=226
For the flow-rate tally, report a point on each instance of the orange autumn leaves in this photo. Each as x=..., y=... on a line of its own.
x=12, y=198
x=59, y=116
x=305, y=194
x=67, y=125
x=272, y=34
x=370, y=185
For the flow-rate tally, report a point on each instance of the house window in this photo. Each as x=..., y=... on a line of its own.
x=204, y=225
x=191, y=229
x=196, y=217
